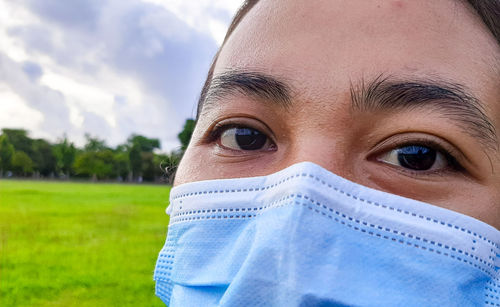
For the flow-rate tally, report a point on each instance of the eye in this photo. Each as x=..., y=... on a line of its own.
x=244, y=139
x=416, y=157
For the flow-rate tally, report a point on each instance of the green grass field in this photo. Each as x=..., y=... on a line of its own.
x=80, y=244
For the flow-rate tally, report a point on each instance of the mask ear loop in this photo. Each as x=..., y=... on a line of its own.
x=170, y=208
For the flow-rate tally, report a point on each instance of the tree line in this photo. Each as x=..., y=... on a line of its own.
x=136, y=160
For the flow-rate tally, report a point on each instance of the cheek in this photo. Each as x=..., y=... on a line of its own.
x=491, y=212
x=478, y=200
x=483, y=206
x=190, y=167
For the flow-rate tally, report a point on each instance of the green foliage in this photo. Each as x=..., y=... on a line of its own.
x=20, y=140
x=43, y=157
x=135, y=160
x=22, y=163
x=6, y=152
x=143, y=143
x=98, y=165
x=122, y=164
x=148, y=166
x=185, y=135
x=141, y=156
x=94, y=144
x=74, y=244
x=65, y=153
x=96, y=160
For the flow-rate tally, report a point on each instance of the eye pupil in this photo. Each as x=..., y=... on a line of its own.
x=418, y=158
x=250, y=139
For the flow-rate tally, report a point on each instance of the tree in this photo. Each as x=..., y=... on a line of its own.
x=94, y=144
x=143, y=143
x=106, y=164
x=148, y=166
x=96, y=160
x=186, y=133
x=65, y=153
x=6, y=153
x=139, y=162
x=20, y=140
x=122, y=162
x=135, y=161
x=43, y=157
x=98, y=165
x=22, y=163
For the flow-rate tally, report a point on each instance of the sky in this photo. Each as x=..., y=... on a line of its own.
x=109, y=68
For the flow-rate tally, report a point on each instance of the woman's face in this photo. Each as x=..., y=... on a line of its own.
x=400, y=96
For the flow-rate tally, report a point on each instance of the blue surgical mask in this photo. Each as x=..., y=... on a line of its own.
x=306, y=237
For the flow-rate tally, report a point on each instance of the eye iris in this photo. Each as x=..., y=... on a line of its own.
x=250, y=139
x=418, y=158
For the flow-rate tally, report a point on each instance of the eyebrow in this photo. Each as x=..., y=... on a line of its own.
x=451, y=100
x=248, y=83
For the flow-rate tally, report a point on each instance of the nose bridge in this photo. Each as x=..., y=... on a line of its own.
x=328, y=151
x=321, y=131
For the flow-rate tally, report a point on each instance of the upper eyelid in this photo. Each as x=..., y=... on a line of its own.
x=453, y=165
x=430, y=144
x=218, y=131
x=246, y=122
x=436, y=142
x=418, y=142
x=449, y=152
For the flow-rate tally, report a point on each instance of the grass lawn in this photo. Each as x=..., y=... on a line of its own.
x=80, y=244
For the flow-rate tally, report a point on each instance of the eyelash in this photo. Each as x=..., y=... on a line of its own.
x=218, y=129
x=216, y=132
x=449, y=154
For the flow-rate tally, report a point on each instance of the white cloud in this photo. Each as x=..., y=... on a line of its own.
x=210, y=16
x=217, y=30
x=110, y=67
x=83, y=96
x=16, y=82
x=12, y=16
x=14, y=112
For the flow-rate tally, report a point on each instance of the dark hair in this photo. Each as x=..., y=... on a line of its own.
x=487, y=10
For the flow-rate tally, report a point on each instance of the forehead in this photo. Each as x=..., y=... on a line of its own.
x=322, y=47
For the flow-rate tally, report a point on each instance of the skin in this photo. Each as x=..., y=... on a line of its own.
x=320, y=50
